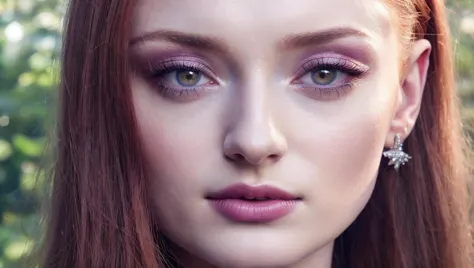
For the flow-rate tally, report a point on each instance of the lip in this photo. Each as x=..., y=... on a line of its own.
x=241, y=190
x=257, y=204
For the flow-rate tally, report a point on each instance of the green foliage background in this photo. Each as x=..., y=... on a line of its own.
x=29, y=48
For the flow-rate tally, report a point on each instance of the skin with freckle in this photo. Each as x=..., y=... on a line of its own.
x=217, y=114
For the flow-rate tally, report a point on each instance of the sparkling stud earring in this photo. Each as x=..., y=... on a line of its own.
x=396, y=154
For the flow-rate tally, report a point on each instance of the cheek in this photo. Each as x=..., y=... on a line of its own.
x=172, y=138
x=353, y=145
x=172, y=153
x=344, y=156
x=346, y=139
x=339, y=152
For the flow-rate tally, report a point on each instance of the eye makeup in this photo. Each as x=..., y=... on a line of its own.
x=181, y=78
x=186, y=77
x=328, y=76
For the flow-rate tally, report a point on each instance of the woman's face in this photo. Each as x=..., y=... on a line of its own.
x=298, y=95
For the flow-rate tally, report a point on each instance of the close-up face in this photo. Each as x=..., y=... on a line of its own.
x=263, y=122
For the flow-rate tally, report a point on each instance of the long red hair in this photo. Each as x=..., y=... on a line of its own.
x=418, y=217
x=100, y=214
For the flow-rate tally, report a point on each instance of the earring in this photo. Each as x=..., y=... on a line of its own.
x=396, y=154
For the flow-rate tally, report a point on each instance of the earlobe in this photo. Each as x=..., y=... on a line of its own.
x=411, y=91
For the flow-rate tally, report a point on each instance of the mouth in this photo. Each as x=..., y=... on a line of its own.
x=252, y=193
x=256, y=199
x=247, y=204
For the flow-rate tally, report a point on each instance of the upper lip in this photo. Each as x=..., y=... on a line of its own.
x=238, y=191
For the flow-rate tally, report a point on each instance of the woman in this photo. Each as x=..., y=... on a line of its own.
x=258, y=134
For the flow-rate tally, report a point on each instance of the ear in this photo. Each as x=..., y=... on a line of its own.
x=411, y=91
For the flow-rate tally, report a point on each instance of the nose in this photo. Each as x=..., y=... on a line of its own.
x=254, y=139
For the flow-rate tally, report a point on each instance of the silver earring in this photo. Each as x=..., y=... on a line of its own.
x=396, y=154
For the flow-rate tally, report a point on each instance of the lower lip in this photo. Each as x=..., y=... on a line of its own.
x=239, y=210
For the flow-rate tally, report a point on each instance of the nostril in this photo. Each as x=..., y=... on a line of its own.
x=274, y=156
x=240, y=158
x=236, y=157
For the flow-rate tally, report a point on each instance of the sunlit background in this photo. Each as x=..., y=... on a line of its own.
x=30, y=44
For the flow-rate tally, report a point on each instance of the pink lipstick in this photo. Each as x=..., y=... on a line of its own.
x=253, y=204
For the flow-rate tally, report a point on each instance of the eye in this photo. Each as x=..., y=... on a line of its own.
x=323, y=77
x=185, y=78
x=188, y=78
x=182, y=79
x=328, y=78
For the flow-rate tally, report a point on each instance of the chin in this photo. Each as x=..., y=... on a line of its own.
x=249, y=258
x=234, y=250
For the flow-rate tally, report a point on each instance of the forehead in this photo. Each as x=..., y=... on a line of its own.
x=263, y=19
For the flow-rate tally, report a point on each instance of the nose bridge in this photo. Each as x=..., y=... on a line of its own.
x=253, y=136
x=255, y=101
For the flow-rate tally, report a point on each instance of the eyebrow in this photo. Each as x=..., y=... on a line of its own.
x=214, y=43
x=319, y=38
x=184, y=39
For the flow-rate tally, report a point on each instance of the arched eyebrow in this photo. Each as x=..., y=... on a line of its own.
x=321, y=37
x=184, y=39
x=217, y=44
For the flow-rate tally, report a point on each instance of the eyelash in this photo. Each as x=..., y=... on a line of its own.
x=352, y=69
x=159, y=71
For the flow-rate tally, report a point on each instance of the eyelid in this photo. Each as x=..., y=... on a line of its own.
x=181, y=62
x=352, y=69
x=333, y=61
x=160, y=76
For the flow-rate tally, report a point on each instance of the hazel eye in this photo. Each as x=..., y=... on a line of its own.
x=188, y=78
x=328, y=78
x=183, y=78
x=324, y=77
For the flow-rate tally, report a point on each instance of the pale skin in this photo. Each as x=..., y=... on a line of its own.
x=254, y=115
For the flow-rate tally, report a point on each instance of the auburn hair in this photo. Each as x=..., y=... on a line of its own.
x=99, y=214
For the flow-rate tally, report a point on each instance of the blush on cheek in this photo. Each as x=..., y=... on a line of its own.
x=160, y=152
x=359, y=145
x=347, y=160
x=346, y=152
x=167, y=177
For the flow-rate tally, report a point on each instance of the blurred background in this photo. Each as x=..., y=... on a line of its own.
x=30, y=43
